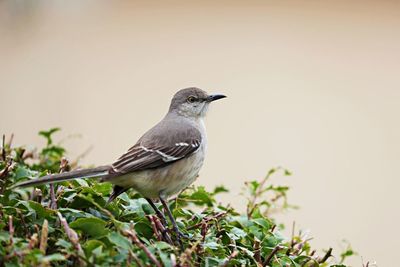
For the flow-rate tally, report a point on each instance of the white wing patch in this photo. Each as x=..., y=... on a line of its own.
x=182, y=144
x=146, y=149
x=166, y=157
x=195, y=143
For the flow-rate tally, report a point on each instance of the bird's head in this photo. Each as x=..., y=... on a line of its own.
x=192, y=102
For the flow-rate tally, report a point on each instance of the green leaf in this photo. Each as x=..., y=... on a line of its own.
x=202, y=197
x=24, y=172
x=48, y=134
x=94, y=227
x=220, y=189
x=91, y=245
x=211, y=245
x=54, y=257
x=119, y=240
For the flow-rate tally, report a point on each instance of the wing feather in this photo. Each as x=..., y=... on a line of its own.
x=141, y=157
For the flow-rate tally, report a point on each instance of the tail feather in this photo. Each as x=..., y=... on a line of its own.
x=65, y=176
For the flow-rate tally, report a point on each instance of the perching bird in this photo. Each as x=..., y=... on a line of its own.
x=164, y=161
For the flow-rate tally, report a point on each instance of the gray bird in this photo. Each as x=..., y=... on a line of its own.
x=163, y=162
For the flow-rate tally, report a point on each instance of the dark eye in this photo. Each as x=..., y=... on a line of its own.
x=191, y=99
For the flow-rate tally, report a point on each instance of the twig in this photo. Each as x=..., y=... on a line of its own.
x=206, y=220
x=204, y=230
x=154, y=226
x=162, y=229
x=53, y=200
x=3, y=149
x=3, y=174
x=273, y=252
x=252, y=204
x=7, y=168
x=230, y=258
x=185, y=257
x=73, y=237
x=297, y=247
x=257, y=250
x=326, y=256
x=292, y=243
x=132, y=235
x=43, y=236
x=135, y=258
x=11, y=229
x=10, y=140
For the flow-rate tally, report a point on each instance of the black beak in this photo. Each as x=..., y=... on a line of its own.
x=211, y=98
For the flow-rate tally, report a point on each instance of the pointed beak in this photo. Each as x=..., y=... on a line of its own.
x=214, y=97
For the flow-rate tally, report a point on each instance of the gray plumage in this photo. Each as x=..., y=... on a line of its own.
x=165, y=160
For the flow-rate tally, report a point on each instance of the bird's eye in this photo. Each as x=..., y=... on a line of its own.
x=191, y=99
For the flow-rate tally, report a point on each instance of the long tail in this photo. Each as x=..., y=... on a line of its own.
x=65, y=176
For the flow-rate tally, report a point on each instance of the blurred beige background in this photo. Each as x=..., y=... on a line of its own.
x=313, y=86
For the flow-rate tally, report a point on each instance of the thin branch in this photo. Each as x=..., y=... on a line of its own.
x=292, y=243
x=251, y=206
x=3, y=148
x=206, y=220
x=273, y=252
x=11, y=229
x=326, y=256
x=230, y=258
x=186, y=256
x=204, y=230
x=132, y=235
x=10, y=140
x=136, y=259
x=154, y=226
x=53, y=200
x=73, y=237
x=257, y=250
x=163, y=231
x=6, y=169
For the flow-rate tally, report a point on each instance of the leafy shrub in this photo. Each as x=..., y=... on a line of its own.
x=71, y=224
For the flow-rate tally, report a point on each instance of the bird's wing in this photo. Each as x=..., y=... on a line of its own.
x=157, y=151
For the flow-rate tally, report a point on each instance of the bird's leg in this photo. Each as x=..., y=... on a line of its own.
x=158, y=212
x=179, y=234
x=162, y=219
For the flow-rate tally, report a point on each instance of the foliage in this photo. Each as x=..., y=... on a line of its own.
x=71, y=224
